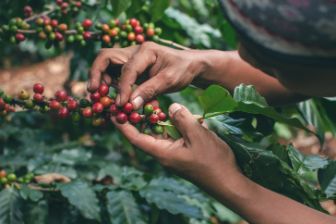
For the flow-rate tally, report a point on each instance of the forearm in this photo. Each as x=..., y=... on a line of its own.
x=259, y=205
x=226, y=68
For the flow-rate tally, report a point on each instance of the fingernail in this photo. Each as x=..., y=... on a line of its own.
x=118, y=99
x=137, y=102
x=174, y=108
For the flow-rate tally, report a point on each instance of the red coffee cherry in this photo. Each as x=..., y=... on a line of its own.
x=138, y=29
x=87, y=23
x=59, y=36
x=87, y=112
x=140, y=38
x=87, y=35
x=54, y=105
x=106, y=39
x=2, y=104
x=135, y=117
x=20, y=37
x=114, y=32
x=72, y=104
x=63, y=27
x=134, y=22
x=114, y=109
x=78, y=4
x=153, y=119
x=128, y=108
x=59, y=2
x=38, y=97
x=103, y=89
x=63, y=112
x=54, y=23
x=121, y=118
x=64, y=5
x=162, y=116
x=97, y=107
x=61, y=95
x=28, y=11
x=95, y=97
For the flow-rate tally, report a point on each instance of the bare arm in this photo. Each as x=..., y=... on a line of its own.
x=228, y=69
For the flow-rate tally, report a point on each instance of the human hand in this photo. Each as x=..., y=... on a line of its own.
x=199, y=155
x=169, y=70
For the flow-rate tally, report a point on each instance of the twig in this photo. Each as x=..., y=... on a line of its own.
x=173, y=44
x=39, y=15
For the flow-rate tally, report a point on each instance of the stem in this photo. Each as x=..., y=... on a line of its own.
x=172, y=44
x=51, y=10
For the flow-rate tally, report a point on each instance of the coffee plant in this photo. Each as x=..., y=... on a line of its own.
x=63, y=161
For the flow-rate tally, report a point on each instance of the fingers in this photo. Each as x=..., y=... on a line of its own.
x=99, y=66
x=140, y=61
x=185, y=122
x=147, y=143
x=148, y=90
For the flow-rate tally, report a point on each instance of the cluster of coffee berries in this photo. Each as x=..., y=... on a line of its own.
x=54, y=28
x=96, y=109
x=7, y=179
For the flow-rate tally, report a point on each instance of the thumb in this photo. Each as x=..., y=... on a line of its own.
x=147, y=91
x=184, y=121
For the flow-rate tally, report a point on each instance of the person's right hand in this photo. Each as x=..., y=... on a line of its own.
x=169, y=70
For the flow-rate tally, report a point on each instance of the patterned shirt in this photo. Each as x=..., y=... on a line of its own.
x=296, y=30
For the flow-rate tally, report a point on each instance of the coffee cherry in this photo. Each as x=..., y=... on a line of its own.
x=24, y=95
x=140, y=38
x=114, y=32
x=54, y=23
x=98, y=122
x=135, y=117
x=42, y=35
x=106, y=101
x=2, y=104
x=59, y=2
x=158, y=31
x=157, y=110
x=87, y=35
x=138, y=30
x=39, y=21
x=155, y=104
x=63, y=27
x=106, y=39
x=59, y=36
x=46, y=21
x=20, y=37
x=158, y=129
x=54, y=105
x=72, y=104
x=78, y=4
x=153, y=119
x=131, y=36
x=95, y=97
x=3, y=180
x=114, y=109
x=121, y=118
x=29, y=104
x=162, y=116
x=11, y=177
x=3, y=173
x=63, y=112
x=38, y=97
x=148, y=109
x=28, y=11
x=61, y=95
x=75, y=117
x=38, y=88
x=128, y=108
x=87, y=23
x=87, y=112
x=150, y=32
x=71, y=39
x=97, y=107
x=134, y=22
x=103, y=89
x=64, y=6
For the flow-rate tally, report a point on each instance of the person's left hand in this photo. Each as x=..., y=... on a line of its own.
x=200, y=155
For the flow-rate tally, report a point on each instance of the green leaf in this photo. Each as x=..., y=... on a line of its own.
x=171, y=129
x=247, y=94
x=157, y=9
x=10, y=212
x=119, y=6
x=171, y=195
x=123, y=208
x=72, y=156
x=83, y=198
x=327, y=179
x=216, y=100
x=31, y=194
